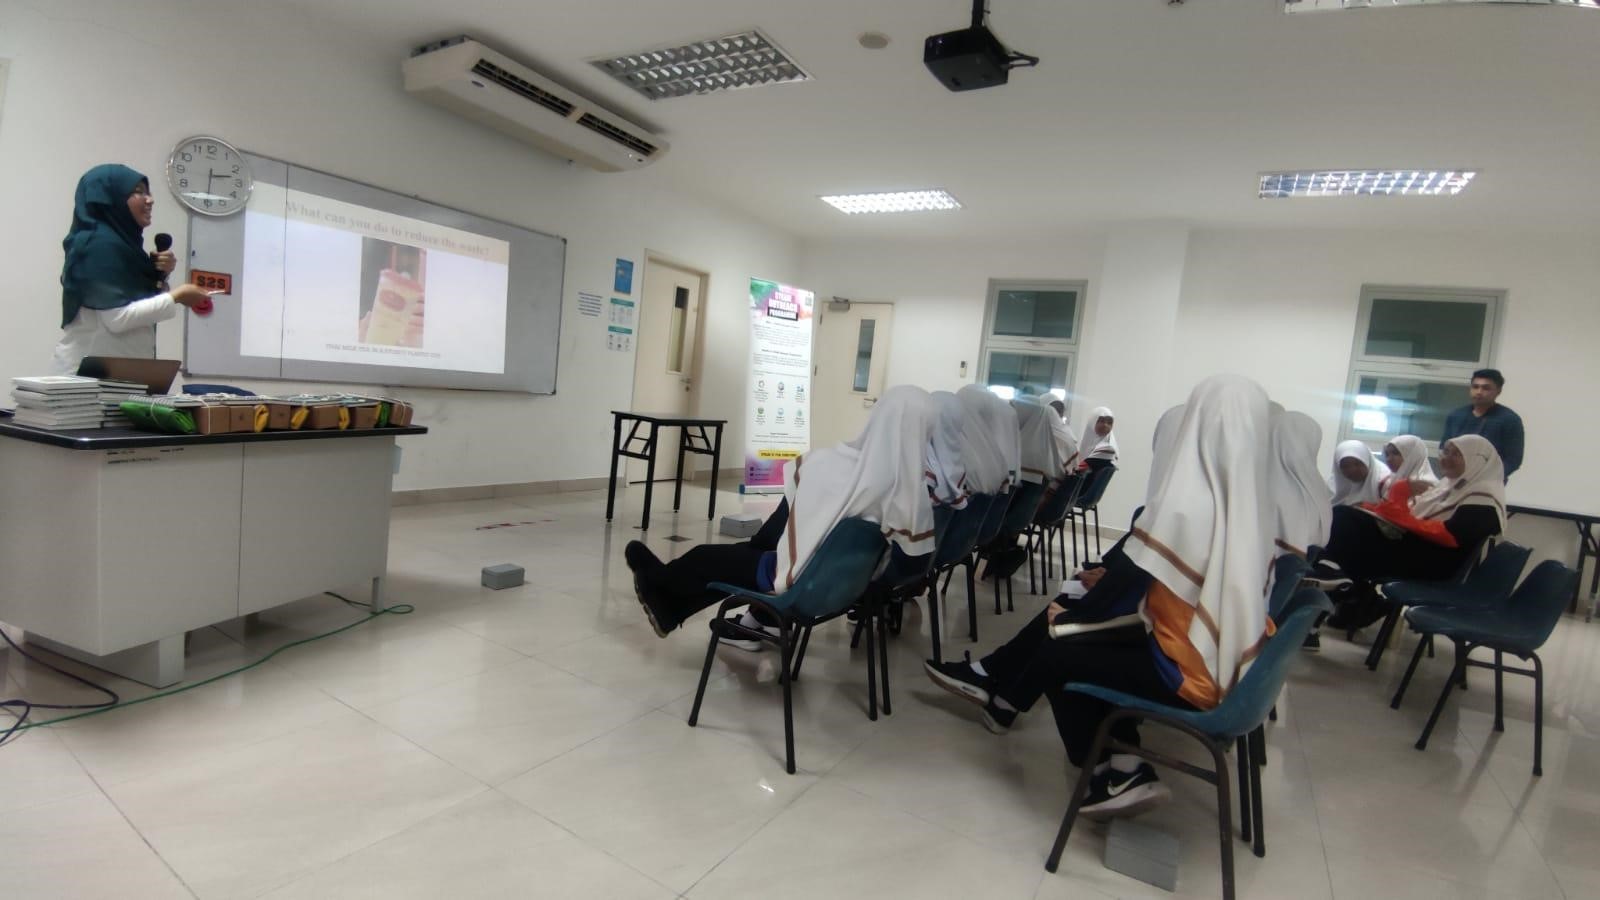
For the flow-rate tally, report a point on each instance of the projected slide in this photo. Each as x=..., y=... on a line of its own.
x=329, y=281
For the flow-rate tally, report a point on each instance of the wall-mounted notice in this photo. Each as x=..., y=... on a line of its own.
x=778, y=398
x=622, y=312
x=623, y=282
x=589, y=304
x=619, y=339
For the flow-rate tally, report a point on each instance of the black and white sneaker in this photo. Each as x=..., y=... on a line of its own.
x=997, y=719
x=1327, y=576
x=961, y=679
x=1114, y=794
x=751, y=645
x=1312, y=643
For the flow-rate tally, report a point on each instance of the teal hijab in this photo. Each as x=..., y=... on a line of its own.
x=106, y=264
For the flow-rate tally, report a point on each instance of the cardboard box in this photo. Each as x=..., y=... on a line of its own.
x=211, y=419
x=364, y=415
x=278, y=415
x=241, y=419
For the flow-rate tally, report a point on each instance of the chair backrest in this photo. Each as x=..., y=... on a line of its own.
x=839, y=571
x=1287, y=570
x=1024, y=503
x=1541, y=600
x=996, y=515
x=1469, y=563
x=1247, y=705
x=1089, y=497
x=1053, y=508
x=1496, y=577
x=902, y=571
x=961, y=533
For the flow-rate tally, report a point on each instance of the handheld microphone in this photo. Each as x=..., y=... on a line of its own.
x=163, y=242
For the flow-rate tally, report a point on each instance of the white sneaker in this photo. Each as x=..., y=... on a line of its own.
x=751, y=645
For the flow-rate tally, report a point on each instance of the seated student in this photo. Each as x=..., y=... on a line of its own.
x=1098, y=448
x=878, y=477
x=1061, y=430
x=1039, y=464
x=987, y=444
x=1407, y=458
x=1426, y=538
x=1303, y=500
x=1208, y=518
x=1357, y=477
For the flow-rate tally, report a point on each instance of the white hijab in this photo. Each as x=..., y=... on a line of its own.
x=877, y=477
x=1093, y=446
x=1061, y=432
x=1040, y=462
x=1206, y=532
x=1161, y=443
x=1482, y=483
x=1414, y=465
x=1350, y=493
x=998, y=417
x=983, y=453
x=946, y=473
x=1303, y=499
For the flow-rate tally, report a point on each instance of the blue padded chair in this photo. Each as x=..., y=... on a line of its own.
x=960, y=535
x=1049, y=521
x=1019, y=514
x=1518, y=624
x=1489, y=581
x=1287, y=571
x=902, y=579
x=1240, y=712
x=832, y=581
x=992, y=521
x=1088, y=501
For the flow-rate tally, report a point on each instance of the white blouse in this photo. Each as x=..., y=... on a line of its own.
x=126, y=331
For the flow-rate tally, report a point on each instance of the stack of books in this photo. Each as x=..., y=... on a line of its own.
x=57, y=402
x=112, y=393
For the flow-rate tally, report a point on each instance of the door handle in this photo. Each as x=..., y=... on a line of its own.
x=868, y=402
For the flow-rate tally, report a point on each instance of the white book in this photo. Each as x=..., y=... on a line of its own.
x=1069, y=629
x=50, y=384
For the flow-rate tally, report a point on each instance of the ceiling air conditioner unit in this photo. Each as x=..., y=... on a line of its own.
x=464, y=76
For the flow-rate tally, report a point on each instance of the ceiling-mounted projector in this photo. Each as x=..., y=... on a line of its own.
x=973, y=57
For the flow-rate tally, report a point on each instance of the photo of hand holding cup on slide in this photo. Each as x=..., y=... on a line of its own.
x=392, y=295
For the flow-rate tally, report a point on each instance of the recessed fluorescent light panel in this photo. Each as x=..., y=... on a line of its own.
x=892, y=202
x=1365, y=183
x=1296, y=6
x=746, y=59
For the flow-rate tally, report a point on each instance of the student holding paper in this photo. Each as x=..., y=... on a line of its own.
x=1194, y=570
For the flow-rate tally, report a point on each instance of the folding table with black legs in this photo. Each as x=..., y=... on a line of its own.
x=695, y=435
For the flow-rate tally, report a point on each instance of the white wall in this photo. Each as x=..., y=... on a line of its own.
x=97, y=81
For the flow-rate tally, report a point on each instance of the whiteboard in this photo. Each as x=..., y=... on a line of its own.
x=267, y=336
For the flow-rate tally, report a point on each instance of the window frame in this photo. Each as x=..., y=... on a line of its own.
x=1438, y=371
x=1057, y=348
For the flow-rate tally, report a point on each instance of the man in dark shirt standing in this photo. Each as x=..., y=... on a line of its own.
x=1501, y=426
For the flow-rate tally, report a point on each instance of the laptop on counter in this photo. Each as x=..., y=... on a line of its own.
x=156, y=375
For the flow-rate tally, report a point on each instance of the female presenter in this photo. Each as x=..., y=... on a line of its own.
x=113, y=292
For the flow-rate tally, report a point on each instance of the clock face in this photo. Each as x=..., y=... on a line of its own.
x=209, y=176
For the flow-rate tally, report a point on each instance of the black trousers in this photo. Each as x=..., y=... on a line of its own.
x=1357, y=543
x=682, y=582
x=1032, y=665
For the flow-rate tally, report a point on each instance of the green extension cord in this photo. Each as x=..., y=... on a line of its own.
x=399, y=609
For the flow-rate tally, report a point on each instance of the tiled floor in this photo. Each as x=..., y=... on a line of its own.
x=531, y=743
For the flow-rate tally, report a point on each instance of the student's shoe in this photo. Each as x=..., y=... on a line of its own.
x=961, y=679
x=1312, y=643
x=1114, y=794
x=751, y=645
x=645, y=564
x=998, y=720
x=1327, y=576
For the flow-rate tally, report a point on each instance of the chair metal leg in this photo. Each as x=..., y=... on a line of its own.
x=1499, y=692
x=1224, y=815
x=1032, y=586
x=800, y=654
x=786, y=647
x=1258, y=746
x=883, y=665
x=870, y=615
x=1098, y=552
x=1079, y=793
x=972, y=601
x=1538, y=715
x=1444, y=695
x=997, y=591
x=1385, y=632
x=1258, y=755
x=705, y=676
x=1416, y=657
x=855, y=633
x=1241, y=751
x=935, y=599
x=1010, y=604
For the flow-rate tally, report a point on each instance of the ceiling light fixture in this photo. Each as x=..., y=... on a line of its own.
x=746, y=59
x=1365, y=183
x=893, y=201
x=1297, y=6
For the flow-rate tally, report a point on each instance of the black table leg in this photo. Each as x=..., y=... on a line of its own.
x=716, y=464
x=1587, y=548
x=616, y=445
x=677, y=478
x=649, y=475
